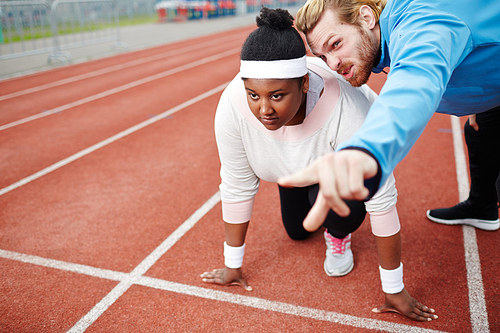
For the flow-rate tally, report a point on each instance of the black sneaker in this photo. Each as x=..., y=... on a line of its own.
x=463, y=214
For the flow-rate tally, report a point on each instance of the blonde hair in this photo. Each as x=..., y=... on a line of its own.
x=346, y=10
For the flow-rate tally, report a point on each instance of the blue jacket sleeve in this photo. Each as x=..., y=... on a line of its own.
x=424, y=49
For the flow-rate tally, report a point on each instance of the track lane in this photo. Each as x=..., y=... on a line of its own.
x=38, y=144
x=111, y=208
x=84, y=88
x=35, y=80
x=135, y=62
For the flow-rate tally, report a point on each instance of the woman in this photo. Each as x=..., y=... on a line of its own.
x=281, y=112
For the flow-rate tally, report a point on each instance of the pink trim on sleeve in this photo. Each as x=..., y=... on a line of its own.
x=237, y=212
x=386, y=223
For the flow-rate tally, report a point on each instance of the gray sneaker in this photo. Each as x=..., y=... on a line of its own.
x=339, y=260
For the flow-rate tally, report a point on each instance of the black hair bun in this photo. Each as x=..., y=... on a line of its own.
x=274, y=39
x=275, y=18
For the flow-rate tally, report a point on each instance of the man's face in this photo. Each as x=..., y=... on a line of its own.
x=348, y=49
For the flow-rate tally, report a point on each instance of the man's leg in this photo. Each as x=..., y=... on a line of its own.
x=481, y=208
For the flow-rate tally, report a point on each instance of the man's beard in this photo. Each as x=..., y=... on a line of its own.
x=368, y=51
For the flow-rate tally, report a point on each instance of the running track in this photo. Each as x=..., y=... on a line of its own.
x=110, y=211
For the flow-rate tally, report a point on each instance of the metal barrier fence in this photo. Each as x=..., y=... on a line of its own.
x=29, y=27
x=24, y=28
x=77, y=23
x=33, y=27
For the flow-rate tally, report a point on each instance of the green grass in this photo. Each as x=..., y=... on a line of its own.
x=142, y=19
x=46, y=32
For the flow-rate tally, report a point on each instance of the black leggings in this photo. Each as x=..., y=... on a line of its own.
x=296, y=203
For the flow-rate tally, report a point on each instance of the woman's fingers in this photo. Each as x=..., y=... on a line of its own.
x=225, y=276
x=214, y=276
x=405, y=305
x=412, y=315
x=416, y=314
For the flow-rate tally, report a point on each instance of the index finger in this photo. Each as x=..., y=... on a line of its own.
x=317, y=215
x=304, y=177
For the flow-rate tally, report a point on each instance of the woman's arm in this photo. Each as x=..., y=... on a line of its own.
x=235, y=239
x=238, y=187
x=389, y=253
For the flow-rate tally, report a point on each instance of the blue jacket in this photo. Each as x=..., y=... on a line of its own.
x=443, y=56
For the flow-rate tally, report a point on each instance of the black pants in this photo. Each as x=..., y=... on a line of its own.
x=296, y=203
x=484, y=160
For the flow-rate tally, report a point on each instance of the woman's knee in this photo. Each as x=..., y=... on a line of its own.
x=297, y=234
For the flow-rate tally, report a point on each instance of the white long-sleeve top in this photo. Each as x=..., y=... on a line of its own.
x=249, y=152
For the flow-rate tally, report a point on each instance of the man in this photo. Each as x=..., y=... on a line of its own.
x=442, y=58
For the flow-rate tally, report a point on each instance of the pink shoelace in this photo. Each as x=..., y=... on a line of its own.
x=337, y=245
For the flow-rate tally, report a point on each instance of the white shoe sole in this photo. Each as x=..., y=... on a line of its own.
x=480, y=224
x=336, y=272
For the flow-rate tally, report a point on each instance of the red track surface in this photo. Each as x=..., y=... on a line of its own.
x=100, y=235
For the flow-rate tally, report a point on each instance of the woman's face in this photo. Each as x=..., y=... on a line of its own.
x=277, y=102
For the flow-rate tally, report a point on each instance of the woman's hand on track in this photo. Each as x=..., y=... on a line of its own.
x=226, y=276
x=405, y=305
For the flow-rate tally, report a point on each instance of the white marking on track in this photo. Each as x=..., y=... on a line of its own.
x=137, y=277
x=295, y=310
x=477, y=303
x=121, y=66
x=150, y=260
x=110, y=140
x=122, y=88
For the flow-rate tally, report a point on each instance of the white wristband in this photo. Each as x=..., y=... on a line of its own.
x=392, y=280
x=233, y=256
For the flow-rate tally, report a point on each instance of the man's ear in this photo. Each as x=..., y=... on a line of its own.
x=367, y=17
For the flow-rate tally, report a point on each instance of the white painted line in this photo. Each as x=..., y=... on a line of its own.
x=122, y=88
x=64, y=266
x=110, y=140
x=102, y=306
x=477, y=303
x=150, y=260
x=460, y=160
x=122, y=66
x=127, y=280
x=176, y=235
x=280, y=307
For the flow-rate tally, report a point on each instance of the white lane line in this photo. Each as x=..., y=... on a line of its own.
x=121, y=66
x=150, y=260
x=122, y=88
x=460, y=160
x=64, y=266
x=110, y=140
x=127, y=280
x=477, y=303
x=280, y=307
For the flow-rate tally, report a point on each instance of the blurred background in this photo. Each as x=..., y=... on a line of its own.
x=37, y=34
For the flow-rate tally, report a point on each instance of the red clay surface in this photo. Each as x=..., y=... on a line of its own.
x=108, y=210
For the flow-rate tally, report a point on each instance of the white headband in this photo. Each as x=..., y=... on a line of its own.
x=274, y=69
